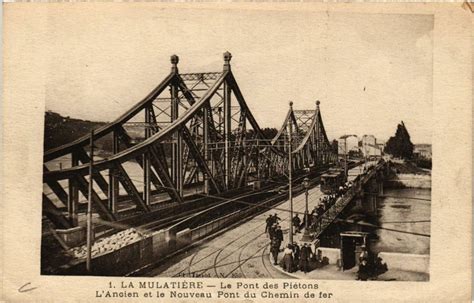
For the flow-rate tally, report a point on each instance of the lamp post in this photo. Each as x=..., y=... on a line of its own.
x=306, y=236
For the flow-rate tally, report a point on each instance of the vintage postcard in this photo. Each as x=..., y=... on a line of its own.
x=237, y=152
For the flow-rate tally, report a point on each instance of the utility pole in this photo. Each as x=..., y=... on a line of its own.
x=345, y=158
x=290, y=171
x=89, y=205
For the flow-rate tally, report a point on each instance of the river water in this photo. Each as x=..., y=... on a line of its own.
x=404, y=217
x=404, y=210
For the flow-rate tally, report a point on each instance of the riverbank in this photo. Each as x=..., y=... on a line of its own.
x=405, y=174
x=407, y=167
x=409, y=181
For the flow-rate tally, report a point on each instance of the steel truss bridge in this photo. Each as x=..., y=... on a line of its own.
x=193, y=130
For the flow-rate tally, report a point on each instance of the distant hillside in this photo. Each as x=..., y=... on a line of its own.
x=59, y=130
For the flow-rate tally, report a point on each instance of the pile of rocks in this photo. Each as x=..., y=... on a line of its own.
x=109, y=244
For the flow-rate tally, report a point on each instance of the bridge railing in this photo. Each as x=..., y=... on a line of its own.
x=340, y=204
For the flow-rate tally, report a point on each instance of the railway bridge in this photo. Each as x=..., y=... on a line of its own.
x=187, y=162
x=193, y=133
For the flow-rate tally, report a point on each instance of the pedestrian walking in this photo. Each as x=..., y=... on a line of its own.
x=275, y=249
x=272, y=230
x=269, y=223
x=279, y=233
x=296, y=223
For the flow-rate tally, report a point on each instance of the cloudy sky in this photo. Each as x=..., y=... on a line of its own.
x=370, y=71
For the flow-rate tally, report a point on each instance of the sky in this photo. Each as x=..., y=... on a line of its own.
x=370, y=71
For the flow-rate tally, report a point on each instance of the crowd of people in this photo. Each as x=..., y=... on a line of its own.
x=295, y=257
x=324, y=204
x=301, y=257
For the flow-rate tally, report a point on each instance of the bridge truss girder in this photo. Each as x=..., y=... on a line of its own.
x=192, y=130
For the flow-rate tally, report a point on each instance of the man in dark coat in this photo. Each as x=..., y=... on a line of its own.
x=272, y=231
x=296, y=254
x=296, y=223
x=275, y=249
x=279, y=233
x=364, y=271
x=304, y=258
x=269, y=223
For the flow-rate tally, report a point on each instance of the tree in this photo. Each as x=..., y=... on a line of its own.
x=400, y=145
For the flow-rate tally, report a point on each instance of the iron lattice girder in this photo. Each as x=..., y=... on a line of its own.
x=53, y=214
x=139, y=159
x=242, y=158
x=309, y=137
x=57, y=188
x=199, y=158
x=139, y=148
x=130, y=188
x=214, y=135
x=106, y=129
x=98, y=178
x=104, y=212
x=162, y=170
x=201, y=76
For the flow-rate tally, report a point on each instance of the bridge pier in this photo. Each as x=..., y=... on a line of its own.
x=380, y=179
x=370, y=194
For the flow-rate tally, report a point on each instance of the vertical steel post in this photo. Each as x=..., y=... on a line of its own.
x=318, y=143
x=89, y=205
x=244, y=147
x=227, y=121
x=146, y=161
x=177, y=146
x=257, y=159
x=179, y=166
x=205, y=143
x=290, y=172
x=73, y=196
x=306, y=212
x=173, y=140
x=113, y=179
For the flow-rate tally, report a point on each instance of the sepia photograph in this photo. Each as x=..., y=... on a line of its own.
x=244, y=152
x=300, y=158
